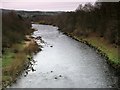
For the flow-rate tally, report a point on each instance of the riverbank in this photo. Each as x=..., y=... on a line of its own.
x=108, y=51
x=102, y=47
x=16, y=59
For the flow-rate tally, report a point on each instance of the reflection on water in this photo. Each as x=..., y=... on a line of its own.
x=65, y=63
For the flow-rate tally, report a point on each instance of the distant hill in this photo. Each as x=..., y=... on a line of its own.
x=32, y=13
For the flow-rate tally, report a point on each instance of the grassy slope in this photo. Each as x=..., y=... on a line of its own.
x=110, y=50
x=9, y=55
x=14, y=62
x=7, y=58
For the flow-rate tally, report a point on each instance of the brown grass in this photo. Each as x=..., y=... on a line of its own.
x=13, y=69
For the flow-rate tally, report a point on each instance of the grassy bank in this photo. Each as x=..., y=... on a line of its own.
x=15, y=59
x=103, y=47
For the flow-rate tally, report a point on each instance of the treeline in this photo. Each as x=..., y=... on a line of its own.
x=42, y=19
x=102, y=18
x=14, y=28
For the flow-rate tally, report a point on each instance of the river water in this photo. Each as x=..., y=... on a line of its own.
x=65, y=63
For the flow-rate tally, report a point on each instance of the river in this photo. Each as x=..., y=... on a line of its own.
x=65, y=63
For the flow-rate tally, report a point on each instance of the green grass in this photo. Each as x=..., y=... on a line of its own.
x=0, y=62
x=7, y=58
x=109, y=49
x=14, y=60
x=12, y=63
x=105, y=47
x=9, y=55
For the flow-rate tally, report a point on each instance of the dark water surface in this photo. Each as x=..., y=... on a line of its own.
x=65, y=63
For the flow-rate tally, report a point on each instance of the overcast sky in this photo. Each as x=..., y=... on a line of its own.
x=42, y=5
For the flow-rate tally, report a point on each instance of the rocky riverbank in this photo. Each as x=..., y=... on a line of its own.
x=21, y=60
